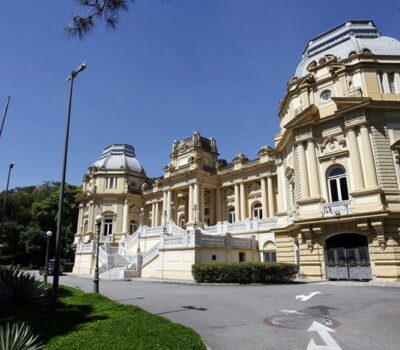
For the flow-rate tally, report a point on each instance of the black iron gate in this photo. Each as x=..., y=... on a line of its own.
x=348, y=263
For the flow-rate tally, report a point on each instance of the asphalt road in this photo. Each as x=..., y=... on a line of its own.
x=343, y=316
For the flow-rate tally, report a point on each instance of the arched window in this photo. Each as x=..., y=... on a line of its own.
x=257, y=211
x=231, y=215
x=337, y=184
x=269, y=252
x=134, y=226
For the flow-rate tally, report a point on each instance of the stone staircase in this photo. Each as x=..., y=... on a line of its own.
x=112, y=274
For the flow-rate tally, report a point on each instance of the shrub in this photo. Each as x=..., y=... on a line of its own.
x=20, y=288
x=18, y=337
x=245, y=272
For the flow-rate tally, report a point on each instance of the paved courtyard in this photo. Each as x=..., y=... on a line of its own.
x=325, y=315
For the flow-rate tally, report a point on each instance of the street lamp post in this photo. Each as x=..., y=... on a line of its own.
x=70, y=78
x=46, y=262
x=96, y=278
x=11, y=166
x=4, y=115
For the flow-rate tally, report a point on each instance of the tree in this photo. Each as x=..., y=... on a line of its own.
x=96, y=11
x=31, y=212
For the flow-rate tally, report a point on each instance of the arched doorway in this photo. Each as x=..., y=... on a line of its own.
x=347, y=257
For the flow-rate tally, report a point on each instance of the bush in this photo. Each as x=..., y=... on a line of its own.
x=245, y=272
x=20, y=288
x=18, y=337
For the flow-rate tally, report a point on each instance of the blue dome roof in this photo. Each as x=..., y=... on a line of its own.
x=117, y=157
x=351, y=36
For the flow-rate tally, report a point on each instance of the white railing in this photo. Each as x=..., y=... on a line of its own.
x=248, y=225
x=104, y=259
x=336, y=208
x=147, y=231
x=212, y=241
x=147, y=256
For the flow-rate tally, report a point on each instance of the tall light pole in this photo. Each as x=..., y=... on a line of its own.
x=96, y=278
x=4, y=115
x=56, y=272
x=10, y=167
x=46, y=262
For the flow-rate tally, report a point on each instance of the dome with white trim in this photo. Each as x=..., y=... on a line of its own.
x=119, y=157
x=353, y=36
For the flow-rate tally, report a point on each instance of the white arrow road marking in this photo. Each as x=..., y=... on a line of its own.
x=323, y=331
x=288, y=312
x=303, y=297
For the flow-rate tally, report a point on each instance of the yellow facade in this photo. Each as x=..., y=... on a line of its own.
x=326, y=196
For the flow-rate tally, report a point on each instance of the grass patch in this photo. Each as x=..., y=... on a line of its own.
x=91, y=321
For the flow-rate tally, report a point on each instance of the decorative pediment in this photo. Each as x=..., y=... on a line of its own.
x=229, y=192
x=254, y=187
x=306, y=117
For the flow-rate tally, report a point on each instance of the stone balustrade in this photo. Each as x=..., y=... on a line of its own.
x=336, y=208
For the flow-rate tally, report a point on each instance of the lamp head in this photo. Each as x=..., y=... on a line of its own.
x=98, y=218
x=49, y=234
x=12, y=165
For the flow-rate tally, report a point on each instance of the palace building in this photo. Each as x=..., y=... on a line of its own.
x=326, y=196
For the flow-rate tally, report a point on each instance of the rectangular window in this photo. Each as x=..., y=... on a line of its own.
x=334, y=190
x=242, y=257
x=213, y=257
x=108, y=224
x=391, y=83
x=111, y=182
x=343, y=188
x=270, y=256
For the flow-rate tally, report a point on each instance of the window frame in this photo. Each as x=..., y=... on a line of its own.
x=231, y=214
x=336, y=179
x=257, y=211
x=108, y=226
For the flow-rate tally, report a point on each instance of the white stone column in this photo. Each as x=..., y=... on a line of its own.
x=168, y=207
x=153, y=214
x=174, y=208
x=190, y=204
x=157, y=214
x=243, y=200
x=196, y=201
x=370, y=170
x=304, y=183
x=125, y=217
x=201, y=203
x=264, y=201
x=271, y=195
x=218, y=205
x=281, y=178
x=313, y=167
x=237, y=205
x=355, y=160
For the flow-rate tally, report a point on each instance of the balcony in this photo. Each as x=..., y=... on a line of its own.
x=336, y=208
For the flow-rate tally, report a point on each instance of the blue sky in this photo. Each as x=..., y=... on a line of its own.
x=173, y=67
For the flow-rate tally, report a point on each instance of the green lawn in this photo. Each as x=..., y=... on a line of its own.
x=90, y=321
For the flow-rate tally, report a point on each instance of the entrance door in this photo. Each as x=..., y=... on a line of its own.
x=347, y=258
